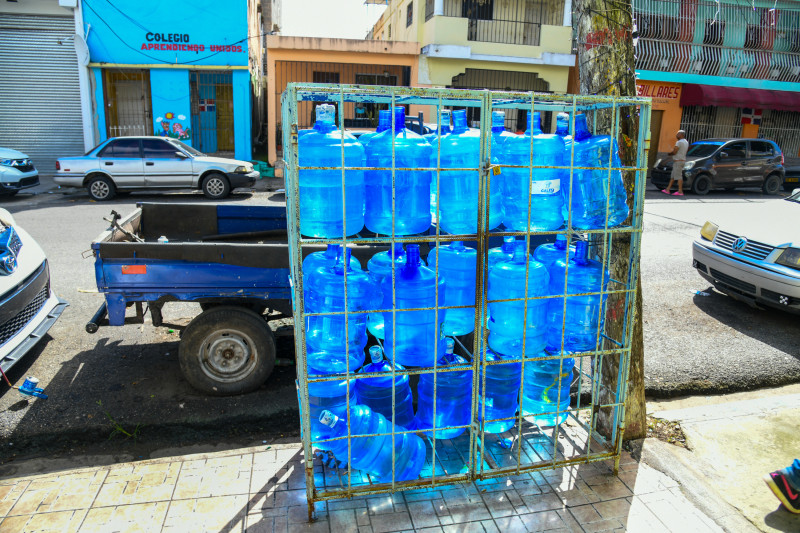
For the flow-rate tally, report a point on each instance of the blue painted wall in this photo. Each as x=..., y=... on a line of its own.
x=172, y=104
x=191, y=32
x=100, y=110
x=241, y=110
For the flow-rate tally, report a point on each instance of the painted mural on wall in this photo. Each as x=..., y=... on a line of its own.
x=167, y=128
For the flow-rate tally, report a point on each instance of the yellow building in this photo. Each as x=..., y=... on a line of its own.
x=486, y=44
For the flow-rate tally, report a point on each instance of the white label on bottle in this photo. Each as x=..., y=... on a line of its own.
x=545, y=187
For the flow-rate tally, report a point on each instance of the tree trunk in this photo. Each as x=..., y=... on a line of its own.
x=606, y=67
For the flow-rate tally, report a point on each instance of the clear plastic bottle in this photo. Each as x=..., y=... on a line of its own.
x=433, y=139
x=419, y=333
x=502, y=393
x=327, y=395
x=373, y=455
x=459, y=190
x=328, y=342
x=380, y=266
x=321, y=190
x=453, y=397
x=377, y=392
x=384, y=123
x=542, y=186
x=618, y=197
x=580, y=326
x=411, y=187
x=504, y=252
x=546, y=390
x=457, y=264
x=507, y=319
x=588, y=197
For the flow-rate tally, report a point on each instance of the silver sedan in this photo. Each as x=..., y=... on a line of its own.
x=128, y=163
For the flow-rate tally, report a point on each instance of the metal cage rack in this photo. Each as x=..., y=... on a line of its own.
x=526, y=447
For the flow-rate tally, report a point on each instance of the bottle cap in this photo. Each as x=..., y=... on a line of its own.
x=581, y=129
x=562, y=124
x=326, y=113
x=561, y=242
x=451, y=345
x=399, y=119
x=375, y=354
x=459, y=120
x=328, y=419
x=508, y=244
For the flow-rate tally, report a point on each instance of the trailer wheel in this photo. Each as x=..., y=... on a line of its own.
x=226, y=351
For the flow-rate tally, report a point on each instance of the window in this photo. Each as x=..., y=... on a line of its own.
x=736, y=150
x=761, y=149
x=752, y=37
x=409, y=13
x=156, y=148
x=477, y=9
x=326, y=77
x=715, y=32
x=122, y=148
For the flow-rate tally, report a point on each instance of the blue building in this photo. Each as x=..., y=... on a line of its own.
x=187, y=69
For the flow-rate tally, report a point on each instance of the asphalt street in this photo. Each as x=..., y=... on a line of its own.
x=128, y=378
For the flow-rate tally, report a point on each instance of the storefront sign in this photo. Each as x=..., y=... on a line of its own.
x=180, y=42
x=664, y=92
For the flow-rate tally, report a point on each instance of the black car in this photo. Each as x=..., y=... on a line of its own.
x=727, y=164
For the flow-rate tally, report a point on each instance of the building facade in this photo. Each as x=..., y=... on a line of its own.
x=720, y=69
x=521, y=45
x=188, y=69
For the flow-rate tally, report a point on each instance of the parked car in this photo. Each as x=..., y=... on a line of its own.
x=727, y=164
x=129, y=163
x=16, y=172
x=792, y=175
x=28, y=305
x=754, y=256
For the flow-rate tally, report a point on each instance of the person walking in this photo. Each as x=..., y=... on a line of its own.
x=785, y=484
x=678, y=155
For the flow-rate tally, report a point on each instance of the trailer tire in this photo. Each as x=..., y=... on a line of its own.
x=227, y=351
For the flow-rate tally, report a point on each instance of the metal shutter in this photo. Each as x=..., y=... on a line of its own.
x=40, y=101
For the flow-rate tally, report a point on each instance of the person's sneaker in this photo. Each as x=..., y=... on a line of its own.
x=665, y=191
x=779, y=485
x=677, y=193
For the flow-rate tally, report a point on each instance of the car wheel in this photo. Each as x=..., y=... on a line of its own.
x=101, y=189
x=772, y=184
x=701, y=185
x=216, y=186
x=226, y=351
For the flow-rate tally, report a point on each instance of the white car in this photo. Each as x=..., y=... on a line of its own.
x=754, y=258
x=16, y=172
x=28, y=305
x=128, y=163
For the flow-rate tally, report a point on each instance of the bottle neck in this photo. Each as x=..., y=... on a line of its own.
x=562, y=124
x=508, y=244
x=581, y=129
x=397, y=251
x=412, y=258
x=333, y=251
x=343, y=263
x=519, y=252
x=459, y=121
x=375, y=354
x=399, y=119
x=534, y=123
x=498, y=122
x=561, y=242
x=582, y=253
x=384, y=120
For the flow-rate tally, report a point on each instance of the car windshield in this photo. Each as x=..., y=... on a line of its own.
x=702, y=149
x=186, y=148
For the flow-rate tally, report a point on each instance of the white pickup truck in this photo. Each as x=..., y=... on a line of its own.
x=28, y=305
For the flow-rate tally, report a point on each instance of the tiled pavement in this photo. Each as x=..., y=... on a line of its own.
x=262, y=490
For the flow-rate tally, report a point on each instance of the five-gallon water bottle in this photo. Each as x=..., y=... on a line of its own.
x=457, y=264
x=384, y=123
x=612, y=183
x=418, y=340
x=444, y=129
x=323, y=258
x=504, y=252
x=550, y=252
x=410, y=198
x=321, y=190
x=373, y=455
x=331, y=395
x=380, y=266
x=588, y=200
x=459, y=191
x=545, y=394
x=540, y=186
x=453, y=397
x=580, y=325
x=502, y=392
x=499, y=135
x=433, y=139
x=377, y=392
x=328, y=342
x=507, y=319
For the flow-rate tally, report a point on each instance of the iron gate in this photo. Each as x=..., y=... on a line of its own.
x=526, y=447
x=212, y=112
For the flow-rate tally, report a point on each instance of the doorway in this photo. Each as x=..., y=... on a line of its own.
x=212, y=112
x=128, y=106
x=655, y=137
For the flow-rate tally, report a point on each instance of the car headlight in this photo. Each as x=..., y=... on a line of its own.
x=6, y=162
x=658, y=162
x=688, y=165
x=790, y=257
x=241, y=169
x=709, y=231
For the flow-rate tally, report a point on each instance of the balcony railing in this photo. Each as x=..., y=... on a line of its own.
x=502, y=21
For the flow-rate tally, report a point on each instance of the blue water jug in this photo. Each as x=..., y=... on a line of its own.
x=380, y=266
x=327, y=347
x=499, y=135
x=562, y=126
x=459, y=190
x=377, y=392
x=504, y=252
x=550, y=252
x=321, y=190
x=507, y=319
x=457, y=264
x=373, y=455
x=588, y=196
x=612, y=183
x=411, y=187
x=384, y=123
x=419, y=335
x=433, y=139
x=502, y=393
x=542, y=186
x=545, y=393
x=453, y=397
x=332, y=396
x=323, y=258
x=583, y=312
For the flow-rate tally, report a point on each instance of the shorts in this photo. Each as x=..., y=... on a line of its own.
x=677, y=171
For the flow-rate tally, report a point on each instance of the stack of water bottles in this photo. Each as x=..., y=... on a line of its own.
x=532, y=314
